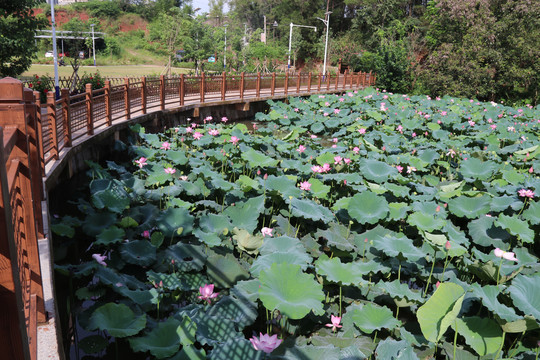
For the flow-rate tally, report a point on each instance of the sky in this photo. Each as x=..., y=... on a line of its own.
x=203, y=4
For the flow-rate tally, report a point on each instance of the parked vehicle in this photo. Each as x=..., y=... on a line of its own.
x=49, y=54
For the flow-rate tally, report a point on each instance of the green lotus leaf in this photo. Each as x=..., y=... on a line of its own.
x=469, y=207
x=284, y=185
x=117, y=319
x=488, y=295
x=178, y=157
x=247, y=290
x=211, y=227
x=247, y=242
x=342, y=203
x=110, y=194
x=157, y=176
x=138, y=252
x=376, y=171
x=438, y=241
x=440, y=311
x=186, y=257
x=95, y=223
x=291, y=349
x=177, y=280
x=222, y=184
x=334, y=270
x=368, y=207
x=484, y=335
x=282, y=244
x=532, y=214
x=394, y=245
x=294, y=293
x=392, y=349
x=93, y=344
x=63, y=229
x=451, y=187
x=347, y=345
x=128, y=222
x=245, y=215
x=517, y=227
x=189, y=352
x=235, y=349
x=241, y=311
x=484, y=232
x=337, y=236
x=308, y=209
x=110, y=236
x=397, y=190
x=172, y=219
x=247, y=184
x=86, y=293
x=225, y=271
x=164, y=340
x=213, y=330
x=425, y=221
x=372, y=317
x=296, y=257
x=191, y=189
x=325, y=158
x=477, y=170
x=525, y=292
x=144, y=215
x=258, y=159
x=318, y=189
x=501, y=203
x=397, y=290
x=398, y=211
x=521, y=325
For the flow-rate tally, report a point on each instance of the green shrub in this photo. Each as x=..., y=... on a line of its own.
x=42, y=84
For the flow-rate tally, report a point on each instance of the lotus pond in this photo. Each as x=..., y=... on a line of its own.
x=367, y=225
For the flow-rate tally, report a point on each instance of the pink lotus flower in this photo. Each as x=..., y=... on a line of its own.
x=265, y=342
x=207, y=293
x=197, y=135
x=410, y=169
x=224, y=119
x=141, y=162
x=356, y=150
x=165, y=146
x=146, y=234
x=362, y=131
x=526, y=193
x=347, y=161
x=505, y=254
x=337, y=160
x=267, y=231
x=100, y=259
x=305, y=186
x=327, y=104
x=326, y=167
x=234, y=140
x=189, y=130
x=451, y=153
x=213, y=132
x=301, y=149
x=400, y=128
x=316, y=169
x=313, y=136
x=170, y=170
x=208, y=118
x=336, y=111
x=531, y=170
x=472, y=123
x=335, y=320
x=296, y=110
x=447, y=246
x=399, y=168
x=443, y=113
x=341, y=99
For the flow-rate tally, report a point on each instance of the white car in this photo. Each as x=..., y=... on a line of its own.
x=49, y=54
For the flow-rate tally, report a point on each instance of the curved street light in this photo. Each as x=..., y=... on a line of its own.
x=290, y=40
x=326, y=22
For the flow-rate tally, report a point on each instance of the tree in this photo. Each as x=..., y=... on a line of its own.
x=17, y=28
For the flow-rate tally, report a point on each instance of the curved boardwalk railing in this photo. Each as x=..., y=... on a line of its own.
x=33, y=141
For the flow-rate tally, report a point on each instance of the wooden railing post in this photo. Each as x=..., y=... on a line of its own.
x=39, y=119
x=309, y=82
x=66, y=113
x=162, y=92
x=337, y=80
x=144, y=94
x=319, y=82
x=242, y=84
x=358, y=80
x=182, y=89
x=223, y=85
x=286, y=85
x=107, y=94
x=258, y=85
x=202, y=86
x=298, y=82
x=351, y=80
x=89, y=110
x=127, y=99
x=52, y=123
x=273, y=85
x=327, y=81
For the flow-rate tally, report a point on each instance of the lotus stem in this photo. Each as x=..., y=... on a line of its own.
x=455, y=339
x=445, y=265
x=430, y=273
x=339, y=300
x=502, y=343
x=499, y=271
x=397, y=313
x=399, y=272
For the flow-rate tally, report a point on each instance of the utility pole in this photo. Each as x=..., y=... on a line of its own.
x=55, y=58
x=264, y=16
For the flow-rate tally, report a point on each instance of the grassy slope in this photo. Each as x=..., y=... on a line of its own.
x=108, y=71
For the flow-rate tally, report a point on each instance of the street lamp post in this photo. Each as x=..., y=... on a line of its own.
x=290, y=40
x=93, y=44
x=55, y=54
x=327, y=23
x=225, y=50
